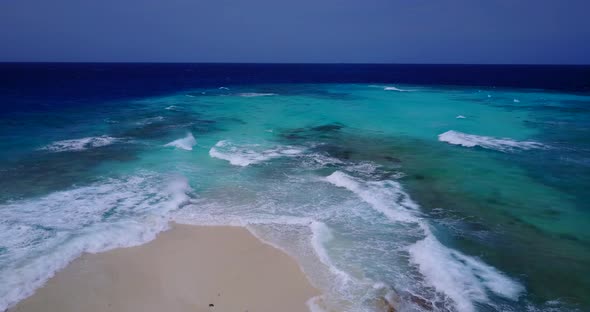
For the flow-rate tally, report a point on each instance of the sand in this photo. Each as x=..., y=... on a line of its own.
x=187, y=268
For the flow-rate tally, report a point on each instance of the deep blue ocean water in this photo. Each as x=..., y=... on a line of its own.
x=435, y=187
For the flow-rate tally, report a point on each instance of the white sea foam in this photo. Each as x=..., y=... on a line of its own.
x=185, y=143
x=151, y=120
x=244, y=155
x=318, y=160
x=516, y=101
x=464, y=279
x=390, y=88
x=321, y=235
x=223, y=88
x=79, y=144
x=43, y=235
x=314, y=304
x=460, y=117
x=366, y=168
x=380, y=195
x=255, y=94
x=499, y=144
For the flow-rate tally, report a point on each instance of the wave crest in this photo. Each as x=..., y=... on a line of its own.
x=397, y=89
x=255, y=94
x=244, y=155
x=79, y=144
x=463, y=279
x=185, y=143
x=498, y=144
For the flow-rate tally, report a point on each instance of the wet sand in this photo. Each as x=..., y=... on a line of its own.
x=188, y=268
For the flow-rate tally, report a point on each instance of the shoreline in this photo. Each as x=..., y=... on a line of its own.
x=187, y=268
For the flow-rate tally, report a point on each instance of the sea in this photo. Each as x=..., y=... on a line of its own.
x=424, y=187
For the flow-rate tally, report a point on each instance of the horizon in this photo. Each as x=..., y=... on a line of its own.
x=298, y=63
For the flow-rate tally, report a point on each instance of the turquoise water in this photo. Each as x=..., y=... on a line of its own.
x=433, y=198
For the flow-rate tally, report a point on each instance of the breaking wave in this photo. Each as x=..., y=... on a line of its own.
x=462, y=278
x=43, y=235
x=255, y=94
x=244, y=155
x=185, y=143
x=498, y=144
x=397, y=89
x=79, y=144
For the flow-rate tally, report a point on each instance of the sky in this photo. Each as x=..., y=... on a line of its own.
x=297, y=31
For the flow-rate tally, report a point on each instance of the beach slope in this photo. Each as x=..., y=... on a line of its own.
x=188, y=268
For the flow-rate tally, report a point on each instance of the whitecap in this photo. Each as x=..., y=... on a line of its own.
x=464, y=279
x=498, y=144
x=255, y=94
x=318, y=160
x=460, y=117
x=365, y=168
x=79, y=144
x=380, y=195
x=397, y=89
x=150, y=120
x=516, y=101
x=244, y=155
x=185, y=143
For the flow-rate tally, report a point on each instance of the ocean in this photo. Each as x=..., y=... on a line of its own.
x=434, y=187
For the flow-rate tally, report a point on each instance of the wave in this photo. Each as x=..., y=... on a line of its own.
x=79, y=144
x=460, y=117
x=255, y=94
x=43, y=235
x=321, y=234
x=244, y=155
x=397, y=89
x=185, y=143
x=502, y=145
x=379, y=195
x=462, y=278
x=151, y=120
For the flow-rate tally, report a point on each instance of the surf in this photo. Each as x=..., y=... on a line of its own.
x=76, y=145
x=464, y=279
x=498, y=144
x=249, y=154
x=187, y=143
x=46, y=233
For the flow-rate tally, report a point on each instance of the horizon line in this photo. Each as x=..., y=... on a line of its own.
x=292, y=63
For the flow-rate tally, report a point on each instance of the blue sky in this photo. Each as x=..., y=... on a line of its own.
x=360, y=31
